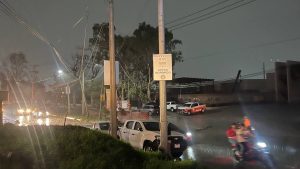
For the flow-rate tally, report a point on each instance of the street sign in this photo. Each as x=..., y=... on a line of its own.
x=68, y=90
x=162, y=67
x=107, y=72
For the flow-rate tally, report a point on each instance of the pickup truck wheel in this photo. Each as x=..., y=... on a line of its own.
x=147, y=147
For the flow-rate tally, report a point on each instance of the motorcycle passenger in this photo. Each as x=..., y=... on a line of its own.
x=231, y=135
x=241, y=138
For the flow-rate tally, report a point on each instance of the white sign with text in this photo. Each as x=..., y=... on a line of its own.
x=162, y=67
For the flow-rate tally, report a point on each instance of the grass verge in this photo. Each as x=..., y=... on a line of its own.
x=71, y=147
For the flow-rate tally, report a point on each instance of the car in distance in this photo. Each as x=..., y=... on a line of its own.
x=151, y=109
x=191, y=108
x=172, y=106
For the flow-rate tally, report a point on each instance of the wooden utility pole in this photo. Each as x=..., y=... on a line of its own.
x=162, y=83
x=113, y=113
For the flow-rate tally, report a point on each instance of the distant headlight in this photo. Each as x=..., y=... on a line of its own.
x=40, y=114
x=261, y=144
x=189, y=134
x=20, y=111
x=28, y=110
x=47, y=113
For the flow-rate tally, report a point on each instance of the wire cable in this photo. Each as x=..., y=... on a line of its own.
x=200, y=18
x=196, y=12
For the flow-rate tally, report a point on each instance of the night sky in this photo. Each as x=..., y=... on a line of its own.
x=243, y=38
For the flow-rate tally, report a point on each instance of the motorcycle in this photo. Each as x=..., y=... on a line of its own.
x=255, y=151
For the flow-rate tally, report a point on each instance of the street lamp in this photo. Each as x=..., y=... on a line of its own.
x=60, y=72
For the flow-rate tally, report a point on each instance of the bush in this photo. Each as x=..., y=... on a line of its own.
x=74, y=147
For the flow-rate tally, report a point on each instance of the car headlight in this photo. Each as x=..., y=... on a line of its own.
x=189, y=134
x=261, y=144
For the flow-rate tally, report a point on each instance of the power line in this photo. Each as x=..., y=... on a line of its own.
x=10, y=12
x=199, y=19
x=196, y=12
x=250, y=47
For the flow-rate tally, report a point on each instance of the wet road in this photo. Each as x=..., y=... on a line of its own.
x=277, y=125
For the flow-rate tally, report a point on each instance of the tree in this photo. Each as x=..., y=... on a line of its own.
x=134, y=52
x=17, y=67
x=139, y=49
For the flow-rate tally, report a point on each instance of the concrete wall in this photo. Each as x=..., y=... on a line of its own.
x=281, y=82
x=225, y=99
x=261, y=85
x=293, y=81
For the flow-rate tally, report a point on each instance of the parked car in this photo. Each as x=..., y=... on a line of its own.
x=191, y=108
x=171, y=105
x=146, y=135
x=151, y=109
x=104, y=127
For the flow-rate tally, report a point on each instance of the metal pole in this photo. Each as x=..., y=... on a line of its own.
x=69, y=108
x=162, y=84
x=82, y=95
x=68, y=91
x=113, y=115
x=1, y=114
x=264, y=70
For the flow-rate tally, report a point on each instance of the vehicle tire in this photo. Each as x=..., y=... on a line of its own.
x=147, y=147
x=172, y=109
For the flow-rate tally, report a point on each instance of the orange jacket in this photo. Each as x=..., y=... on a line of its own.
x=247, y=122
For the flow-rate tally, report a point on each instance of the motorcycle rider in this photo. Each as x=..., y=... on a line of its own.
x=247, y=122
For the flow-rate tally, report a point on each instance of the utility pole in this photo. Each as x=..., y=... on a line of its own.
x=113, y=113
x=82, y=94
x=162, y=83
x=264, y=70
x=68, y=91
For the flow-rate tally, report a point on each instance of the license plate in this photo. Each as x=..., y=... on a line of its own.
x=177, y=146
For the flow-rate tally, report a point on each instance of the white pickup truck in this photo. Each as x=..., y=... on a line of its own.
x=171, y=105
x=145, y=135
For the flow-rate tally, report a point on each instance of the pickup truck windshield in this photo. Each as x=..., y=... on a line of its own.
x=151, y=126
x=154, y=126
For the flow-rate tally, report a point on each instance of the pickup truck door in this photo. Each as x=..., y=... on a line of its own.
x=135, y=135
x=126, y=131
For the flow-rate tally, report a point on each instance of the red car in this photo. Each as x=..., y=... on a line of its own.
x=191, y=108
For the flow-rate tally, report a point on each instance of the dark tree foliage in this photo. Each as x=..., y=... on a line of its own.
x=17, y=67
x=134, y=52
